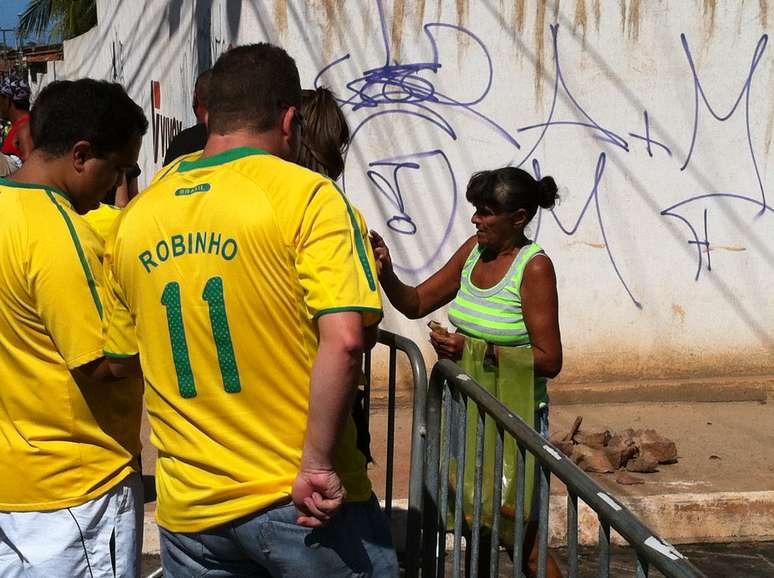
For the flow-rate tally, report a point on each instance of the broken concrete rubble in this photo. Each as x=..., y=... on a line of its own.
x=638, y=451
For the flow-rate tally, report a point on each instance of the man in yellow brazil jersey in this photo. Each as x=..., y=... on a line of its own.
x=250, y=285
x=70, y=494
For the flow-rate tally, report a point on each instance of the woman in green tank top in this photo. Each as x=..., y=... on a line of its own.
x=502, y=290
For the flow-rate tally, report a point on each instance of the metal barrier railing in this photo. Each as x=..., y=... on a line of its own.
x=449, y=391
x=419, y=377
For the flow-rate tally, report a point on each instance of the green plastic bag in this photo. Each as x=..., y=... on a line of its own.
x=508, y=376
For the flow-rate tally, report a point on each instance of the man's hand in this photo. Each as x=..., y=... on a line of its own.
x=317, y=495
x=448, y=345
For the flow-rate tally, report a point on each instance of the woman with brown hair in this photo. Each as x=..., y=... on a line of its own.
x=325, y=135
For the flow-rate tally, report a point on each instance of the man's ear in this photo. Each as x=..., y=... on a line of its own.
x=286, y=121
x=80, y=153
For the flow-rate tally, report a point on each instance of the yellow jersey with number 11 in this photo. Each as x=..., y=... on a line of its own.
x=225, y=264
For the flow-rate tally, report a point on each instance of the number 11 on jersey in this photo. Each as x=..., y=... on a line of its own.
x=213, y=295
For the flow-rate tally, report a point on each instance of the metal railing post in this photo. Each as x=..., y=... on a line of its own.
x=390, y=431
x=572, y=535
x=650, y=549
x=431, y=489
x=416, y=497
x=542, y=537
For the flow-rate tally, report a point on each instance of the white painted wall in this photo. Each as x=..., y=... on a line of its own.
x=640, y=295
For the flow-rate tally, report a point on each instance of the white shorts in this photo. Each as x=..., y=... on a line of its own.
x=77, y=541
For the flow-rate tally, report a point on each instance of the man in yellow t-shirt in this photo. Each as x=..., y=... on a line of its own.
x=67, y=442
x=250, y=284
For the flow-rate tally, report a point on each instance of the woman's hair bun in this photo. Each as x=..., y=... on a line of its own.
x=547, y=192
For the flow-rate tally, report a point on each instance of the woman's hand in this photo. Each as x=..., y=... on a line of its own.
x=381, y=254
x=448, y=345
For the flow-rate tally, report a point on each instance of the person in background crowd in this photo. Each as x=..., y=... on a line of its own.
x=193, y=138
x=502, y=290
x=104, y=216
x=326, y=133
x=7, y=166
x=71, y=499
x=250, y=285
x=323, y=144
x=14, y=107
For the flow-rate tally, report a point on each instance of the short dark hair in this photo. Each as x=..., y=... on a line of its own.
x=100, y=112
x=23, y=105
x=202, y=87
x=510, y=189
x=326, y=134
x=250, y=85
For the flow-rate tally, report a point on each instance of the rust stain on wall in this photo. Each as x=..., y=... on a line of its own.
x=398, y=17
x=763, y=13
x=517, y=22
x=678, y=311
x=419, y=13
x=462, y=12
x=589, y=244
x=540, y=27
x=622, y=6
x=597, y=14
x=733, y=248
x=331, y=11
x=556, y=9
x=580, y=18
x=710, y=7
x=281, y=15
x=464, y=40
x=633, y=19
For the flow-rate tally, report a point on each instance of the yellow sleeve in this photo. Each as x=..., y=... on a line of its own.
x=65, y=278
x=117, y=321
x=333, y=259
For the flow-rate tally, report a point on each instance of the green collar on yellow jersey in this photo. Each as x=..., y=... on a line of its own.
x=19, y=185
x=220, y=158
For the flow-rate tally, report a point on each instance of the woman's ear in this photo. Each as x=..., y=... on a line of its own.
x=520, y=218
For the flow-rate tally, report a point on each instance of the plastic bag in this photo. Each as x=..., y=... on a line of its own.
x=507, y=373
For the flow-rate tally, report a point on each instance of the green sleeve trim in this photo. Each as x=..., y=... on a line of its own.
x=376, y=310
x=220, y=158
x=118, y=355
x=359, y=243
x=81, y=255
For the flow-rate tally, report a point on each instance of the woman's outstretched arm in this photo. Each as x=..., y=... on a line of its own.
x=435, y=292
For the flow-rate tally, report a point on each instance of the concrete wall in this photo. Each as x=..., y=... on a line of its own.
x=655, y=117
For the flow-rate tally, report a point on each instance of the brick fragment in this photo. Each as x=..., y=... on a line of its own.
x=628, y=480
x=592, y=459
x=592, y=439
x=655, y=447
x=642, y=465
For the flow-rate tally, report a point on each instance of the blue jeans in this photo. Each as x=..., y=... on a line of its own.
x=356, y=542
